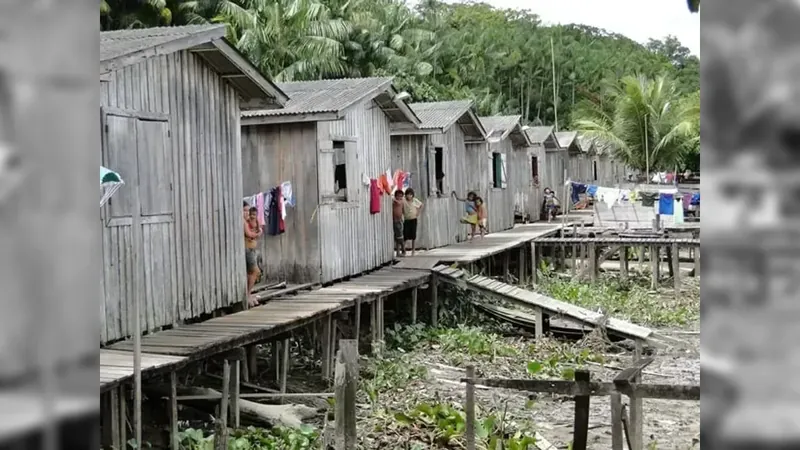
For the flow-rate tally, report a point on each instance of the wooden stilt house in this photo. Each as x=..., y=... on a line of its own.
x=511, y=174
x=589, y=169
x=512, y=195
x=548, y=162
x=446, y=153
x=576, y=160
x=329, y=141
x=170, y=108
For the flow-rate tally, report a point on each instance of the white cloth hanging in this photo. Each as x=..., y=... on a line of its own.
x=609, y=196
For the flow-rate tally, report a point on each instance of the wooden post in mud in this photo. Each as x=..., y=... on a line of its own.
x=173, y=411
x=469, y=409
x=357, y=319
x=616, y=421
x=697, y=261
x=221, y=424
x=414, y=296
x=581, y=425
x=534, y=263
x=346, y=389
x=521, y=265
x=574, y=250
x=623, y=262
x=434, y=299
x=593, y=261
x=676, y=269
x=636, y=404
x=327, y=324
x=655, y=265
x=507, y=266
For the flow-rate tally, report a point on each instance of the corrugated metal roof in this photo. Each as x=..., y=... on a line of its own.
x=538, y=135
x=566, y=138
x=498, y=125
x=114, y=44
x=323, y=96
x=440, y=115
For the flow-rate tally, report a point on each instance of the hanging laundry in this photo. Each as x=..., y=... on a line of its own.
x=288, y=194
x=695, y=199
x=576, y=190
x=374, y=197
x=633, y=196
x=364, y=179
x=609, y=196
x=267, y=203
x=384, y=184
x=282, y=209
x=259, y=204
x=591, y=190
x=687, y=200
x=276, y=224
x=407, y=181
x=648, y=198
x=678, y=208
x=398, y=178
x=666, y=204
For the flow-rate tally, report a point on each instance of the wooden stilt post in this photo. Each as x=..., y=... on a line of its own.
x=641, y=259
x=346, y=389
x=521, y=265
x=469, y=409
x=534, y=263
x=373, y=326
x=381, y=317
x=173, y=411
x=221, y=425
x=539, y=331
x=581, y=424
x=357, y=337
x=574, y=250
x=327, y=323
x=655, y=264
x=636, y=405
x=697, y=261
x=676, y=268
x=276, y=360
x=235, y=366
x=435, y=300
x=110, y=420
x=251, y=364
x=617, y=438
x=123, y=416
x=507, y=266
x=414, y=296
x=593, y=261
x=285, y=347
x=623, y=262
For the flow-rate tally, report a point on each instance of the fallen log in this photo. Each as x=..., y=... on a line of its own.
x=290, y=415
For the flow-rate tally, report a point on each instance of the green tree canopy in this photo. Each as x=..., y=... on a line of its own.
x=645, y=122
x=501, y=58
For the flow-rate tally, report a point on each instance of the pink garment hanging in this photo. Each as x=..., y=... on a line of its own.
x=374, y=197
x=260, y=208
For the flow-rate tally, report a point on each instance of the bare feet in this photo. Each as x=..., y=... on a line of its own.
x=252, y=301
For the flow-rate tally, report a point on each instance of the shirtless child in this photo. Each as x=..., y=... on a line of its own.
x=251, y=235
x=397, y=222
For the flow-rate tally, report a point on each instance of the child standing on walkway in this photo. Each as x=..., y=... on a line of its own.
x=481, y=212
x=471, y=216
x=412, y=208
x=397, y=222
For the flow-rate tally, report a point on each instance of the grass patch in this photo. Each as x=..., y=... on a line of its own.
x=625, y=300
x=391, y=371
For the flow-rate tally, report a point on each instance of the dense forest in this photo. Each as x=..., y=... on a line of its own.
x=505, y=60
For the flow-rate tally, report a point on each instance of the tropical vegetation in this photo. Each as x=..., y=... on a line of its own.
x=506, y=60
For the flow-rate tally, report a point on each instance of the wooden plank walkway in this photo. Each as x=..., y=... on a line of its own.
x=279, y=315
x=491, y=244
x=548, y=305
x=116, y=366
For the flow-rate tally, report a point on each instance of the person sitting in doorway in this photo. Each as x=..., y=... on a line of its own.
x=252, y=231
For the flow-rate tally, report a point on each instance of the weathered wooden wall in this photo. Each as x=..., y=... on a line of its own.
x=532, y=202
x=609, y=172
x=271, y=155
x=351, y=239
x=501, y=199
x=552, y=175
x=521, y=182
x=580, y=167
x=190, y=187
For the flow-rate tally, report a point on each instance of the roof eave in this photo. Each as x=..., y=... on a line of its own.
x=289, y=118
x=246, y=67
x=176, y=45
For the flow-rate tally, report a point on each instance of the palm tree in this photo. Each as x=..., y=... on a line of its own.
x=644, y=122
x=287, y=39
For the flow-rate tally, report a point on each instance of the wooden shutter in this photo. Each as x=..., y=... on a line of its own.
x=325, y=169
x=155, y=168
x=431, y=166
x=503, y=171
x=121, y=156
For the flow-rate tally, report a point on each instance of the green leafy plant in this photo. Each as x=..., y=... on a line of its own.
x=560, y=360
x=390, y=371
x=252, y=438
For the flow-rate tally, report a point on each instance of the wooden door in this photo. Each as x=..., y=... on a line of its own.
x=139, y=223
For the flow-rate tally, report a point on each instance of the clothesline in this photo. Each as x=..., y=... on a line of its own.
x=271, y=207
x=663, y=200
